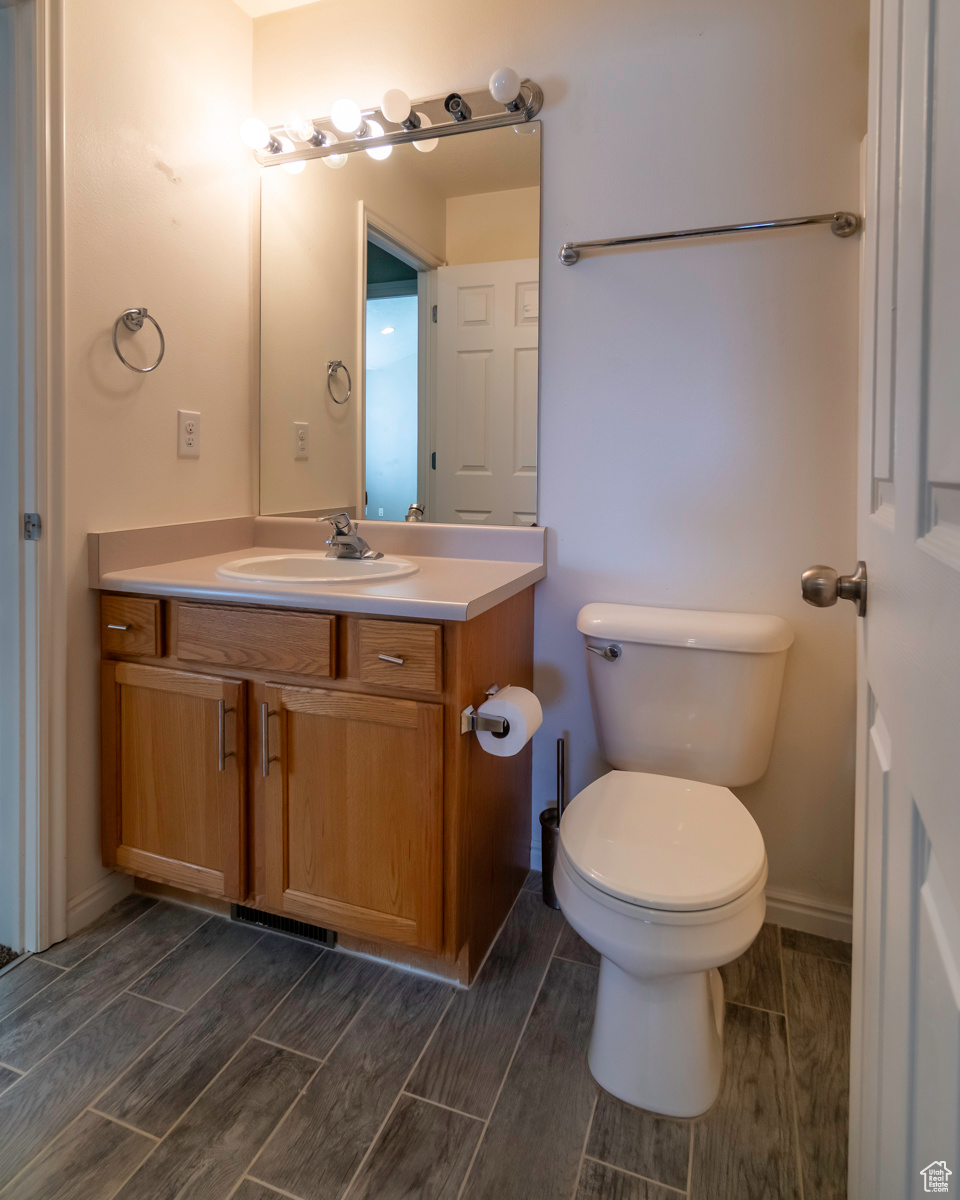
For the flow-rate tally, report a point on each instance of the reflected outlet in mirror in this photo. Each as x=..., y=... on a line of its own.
x=421, y=275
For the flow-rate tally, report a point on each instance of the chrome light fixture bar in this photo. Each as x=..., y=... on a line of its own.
x=485, y=113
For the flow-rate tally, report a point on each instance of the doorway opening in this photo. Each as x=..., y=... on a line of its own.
x=32, y=614
x=392, y=385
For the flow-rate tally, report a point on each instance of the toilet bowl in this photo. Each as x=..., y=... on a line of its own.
x=665, y=878
x=664, y=873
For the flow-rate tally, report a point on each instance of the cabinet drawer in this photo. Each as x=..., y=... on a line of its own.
x=401, y=654
x=131, y=625
x=259, y=639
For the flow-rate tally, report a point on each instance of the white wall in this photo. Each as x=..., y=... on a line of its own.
x=493, y=226
x=158, y=203
x=698, y=402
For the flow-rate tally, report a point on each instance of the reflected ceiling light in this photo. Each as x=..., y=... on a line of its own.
x=295, y=167
x=333, y=161
x=255, y=134
x=395, y=106
x=375, y=129
x=388, y=329
x=427, y=144
x=297, y=127
x=505, y=87
x=347, y=117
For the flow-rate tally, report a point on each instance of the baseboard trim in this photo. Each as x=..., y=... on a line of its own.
x=536, y=854
x=809, y=914
x=95, y=901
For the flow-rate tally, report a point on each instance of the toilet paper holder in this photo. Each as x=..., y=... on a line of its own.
x=472, y=722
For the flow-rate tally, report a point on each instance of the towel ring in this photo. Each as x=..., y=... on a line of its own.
x=332, y=368
x=133, y=319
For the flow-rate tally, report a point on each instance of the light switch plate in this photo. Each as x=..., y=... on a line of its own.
x=188, y=434
x=301, y=439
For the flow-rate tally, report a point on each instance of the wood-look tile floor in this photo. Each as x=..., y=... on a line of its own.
x=164, y=1054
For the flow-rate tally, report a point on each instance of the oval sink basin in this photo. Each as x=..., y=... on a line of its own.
x=316, y=568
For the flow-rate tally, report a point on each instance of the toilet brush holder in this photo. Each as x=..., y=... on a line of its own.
x=549, y=837
x=550, y=832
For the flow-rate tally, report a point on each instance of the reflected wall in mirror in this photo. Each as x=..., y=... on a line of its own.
x=420, y=273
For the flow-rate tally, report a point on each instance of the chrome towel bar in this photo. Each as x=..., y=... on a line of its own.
x=842, y=224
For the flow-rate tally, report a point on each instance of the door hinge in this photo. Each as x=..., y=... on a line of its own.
x=434, y=314
x=433, y=461
x=32, y=527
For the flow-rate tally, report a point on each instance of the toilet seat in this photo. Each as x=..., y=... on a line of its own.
x=663, y=843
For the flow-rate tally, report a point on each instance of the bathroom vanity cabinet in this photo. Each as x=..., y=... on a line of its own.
x=312, y=764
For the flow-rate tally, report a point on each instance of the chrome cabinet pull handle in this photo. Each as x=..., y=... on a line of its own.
x=390, y=658
x=265, y=757
x=222, y=753
x=122, y=628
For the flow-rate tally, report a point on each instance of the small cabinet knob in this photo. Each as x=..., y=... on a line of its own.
x=822, y=587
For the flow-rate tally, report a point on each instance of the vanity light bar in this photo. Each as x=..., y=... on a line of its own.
x=446, y=113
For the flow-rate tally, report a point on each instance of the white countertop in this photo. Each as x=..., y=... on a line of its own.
x=444, y=589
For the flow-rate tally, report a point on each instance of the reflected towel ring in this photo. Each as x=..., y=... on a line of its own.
x=332, y=368
x=133, y=319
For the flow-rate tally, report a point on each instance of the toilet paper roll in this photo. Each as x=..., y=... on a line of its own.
x=522, y=709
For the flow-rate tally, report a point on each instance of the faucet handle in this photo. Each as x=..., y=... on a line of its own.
x=341, y=522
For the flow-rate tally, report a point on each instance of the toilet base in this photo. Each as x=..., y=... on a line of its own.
x=657, y=1043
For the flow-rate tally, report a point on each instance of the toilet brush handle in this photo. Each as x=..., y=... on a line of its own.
x=560, y=777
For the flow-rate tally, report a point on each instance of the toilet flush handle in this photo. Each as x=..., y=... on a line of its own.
x=611, y=653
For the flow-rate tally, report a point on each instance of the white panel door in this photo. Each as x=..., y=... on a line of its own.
x=486, y=398
x=905, y=1073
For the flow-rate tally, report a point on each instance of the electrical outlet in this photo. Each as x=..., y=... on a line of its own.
x=188, y=434
x=301, y=439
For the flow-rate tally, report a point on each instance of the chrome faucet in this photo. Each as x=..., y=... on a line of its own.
x=346, y=541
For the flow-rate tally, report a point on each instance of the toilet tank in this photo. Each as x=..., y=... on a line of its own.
x=685, y=693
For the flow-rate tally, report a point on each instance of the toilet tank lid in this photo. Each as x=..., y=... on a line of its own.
x=748, y=633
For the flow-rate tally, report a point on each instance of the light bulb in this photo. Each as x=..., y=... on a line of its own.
x=427, y=144
x=291, y=168
x=346, y=115
x=375, y=129
x=395, y=106
x=505, y=86
x=255, y=134
x=333, y=161
x=297, y=127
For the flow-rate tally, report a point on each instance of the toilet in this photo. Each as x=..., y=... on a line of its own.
x=660, y=867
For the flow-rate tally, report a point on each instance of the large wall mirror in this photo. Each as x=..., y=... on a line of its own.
x=419, y=273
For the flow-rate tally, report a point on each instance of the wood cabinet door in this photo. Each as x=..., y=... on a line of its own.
x=353, y=821
x=173, y=777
